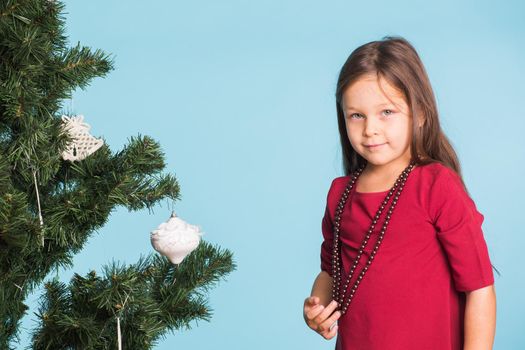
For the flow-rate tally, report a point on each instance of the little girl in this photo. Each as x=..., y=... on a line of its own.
x=404, y=264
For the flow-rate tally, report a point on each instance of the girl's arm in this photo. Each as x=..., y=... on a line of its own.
x=480, y=318
x=322, y=288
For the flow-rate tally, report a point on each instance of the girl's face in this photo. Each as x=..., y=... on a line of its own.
x=373, y=118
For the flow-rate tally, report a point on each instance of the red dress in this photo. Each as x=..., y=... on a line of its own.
x=433, y=250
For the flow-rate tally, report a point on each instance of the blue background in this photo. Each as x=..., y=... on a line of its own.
x=241, y=97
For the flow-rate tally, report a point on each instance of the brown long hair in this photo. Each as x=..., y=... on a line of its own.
x=394, y=59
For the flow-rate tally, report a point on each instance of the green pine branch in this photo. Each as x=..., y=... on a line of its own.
x=151, y=298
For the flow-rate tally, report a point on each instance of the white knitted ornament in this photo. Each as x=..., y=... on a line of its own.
x=175, y=238
x=83, y=144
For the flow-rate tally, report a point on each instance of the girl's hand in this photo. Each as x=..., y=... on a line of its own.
x=320, y=318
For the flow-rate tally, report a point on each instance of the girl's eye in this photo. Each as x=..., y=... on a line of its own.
x=358, y=116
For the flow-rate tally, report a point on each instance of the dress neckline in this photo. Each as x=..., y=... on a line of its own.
x=376, y=193
x=369, y=193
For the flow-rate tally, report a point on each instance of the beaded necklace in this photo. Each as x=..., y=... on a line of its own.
x=336, y=258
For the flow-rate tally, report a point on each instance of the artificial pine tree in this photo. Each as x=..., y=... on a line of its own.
x=50, y=206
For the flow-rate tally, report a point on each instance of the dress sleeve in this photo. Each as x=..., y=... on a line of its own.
x=328, y=236
x=458, y=228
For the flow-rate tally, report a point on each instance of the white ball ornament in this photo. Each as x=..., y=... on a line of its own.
x=175, y=238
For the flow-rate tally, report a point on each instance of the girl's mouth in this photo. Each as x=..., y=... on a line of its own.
x=375, y=146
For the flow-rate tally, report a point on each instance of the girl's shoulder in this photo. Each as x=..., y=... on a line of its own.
x=336, y=189
x=338, y=185
x=440, y=187
x=340, y=181
x=436, y=175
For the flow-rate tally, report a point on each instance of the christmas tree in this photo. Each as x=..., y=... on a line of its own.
x=52, y=200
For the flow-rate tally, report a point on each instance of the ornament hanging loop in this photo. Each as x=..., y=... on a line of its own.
x=38, y=203
x=119, y=334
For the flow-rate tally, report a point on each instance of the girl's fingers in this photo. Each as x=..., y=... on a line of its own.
x=326, y=312
x=310, y=303
x=331, y=333
x=313, y=300
x=319, y=314
x=321, y=319
x=312, y=312
x=324, y=327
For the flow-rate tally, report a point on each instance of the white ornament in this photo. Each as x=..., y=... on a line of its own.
x=83, y=144
x=175, y=238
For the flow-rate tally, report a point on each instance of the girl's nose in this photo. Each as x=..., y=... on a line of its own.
x=371, y=127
